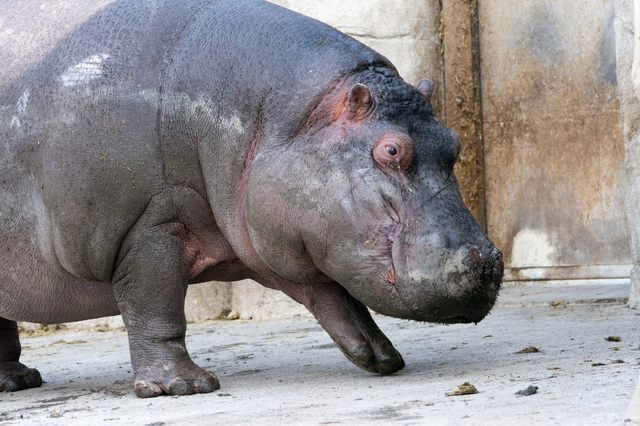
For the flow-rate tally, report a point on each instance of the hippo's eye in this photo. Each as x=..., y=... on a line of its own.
x=393, y=152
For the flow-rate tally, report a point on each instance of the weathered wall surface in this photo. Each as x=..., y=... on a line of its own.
x=628, y=75
x=461, y=101
x=552, y=136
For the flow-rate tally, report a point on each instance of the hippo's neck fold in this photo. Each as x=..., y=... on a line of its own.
x=242, y=188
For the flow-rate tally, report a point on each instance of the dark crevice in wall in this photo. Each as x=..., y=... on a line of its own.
x=475, y=28
x=461, y=104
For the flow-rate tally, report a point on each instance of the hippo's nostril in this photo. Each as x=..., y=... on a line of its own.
x=496, y=255
x=493, y=268
x=498, y=271
x=476, y=256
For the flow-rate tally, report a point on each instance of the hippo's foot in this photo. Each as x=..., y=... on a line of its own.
x=348, y=322
x=185, y=378
x=376, y=355
x=15, y=376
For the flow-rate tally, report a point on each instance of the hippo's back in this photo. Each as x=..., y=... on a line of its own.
x=108, y=42
x=109, y=72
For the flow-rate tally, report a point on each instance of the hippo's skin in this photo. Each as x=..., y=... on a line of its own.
x=149, y=144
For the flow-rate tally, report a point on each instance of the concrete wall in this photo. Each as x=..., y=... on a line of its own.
x=627, y=28
x=628, y=75
x=553, y=143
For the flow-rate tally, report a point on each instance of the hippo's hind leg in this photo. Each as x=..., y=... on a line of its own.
x=349, y=324
x=14, y=376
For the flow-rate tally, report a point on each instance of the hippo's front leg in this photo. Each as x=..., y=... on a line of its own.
x=349, y=324
x=150, y=285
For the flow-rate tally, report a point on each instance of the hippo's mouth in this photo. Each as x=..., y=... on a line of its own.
x=395, y=232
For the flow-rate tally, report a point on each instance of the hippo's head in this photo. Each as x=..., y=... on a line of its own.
x=366, y=196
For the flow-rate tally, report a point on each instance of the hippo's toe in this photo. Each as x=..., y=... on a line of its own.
x=15, y=376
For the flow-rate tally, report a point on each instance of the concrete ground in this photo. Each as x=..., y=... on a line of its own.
x=288, y=371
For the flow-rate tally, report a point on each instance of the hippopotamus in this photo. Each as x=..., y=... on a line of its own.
x=152, y=144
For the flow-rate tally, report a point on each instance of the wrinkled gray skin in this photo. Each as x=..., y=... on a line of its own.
x=146, y=145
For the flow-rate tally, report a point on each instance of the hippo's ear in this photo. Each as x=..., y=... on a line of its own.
x=360, y=101
x=426, y=87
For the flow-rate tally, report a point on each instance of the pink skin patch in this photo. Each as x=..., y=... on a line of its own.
x=476, y=256
x=391, y=276
x=200, y=264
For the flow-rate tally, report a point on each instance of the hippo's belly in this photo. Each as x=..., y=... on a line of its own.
x=34, y=286
x=45, y=296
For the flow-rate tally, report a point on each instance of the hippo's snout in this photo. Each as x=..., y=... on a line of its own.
x=489, y=266
x=481, y=292
x=446, y=285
